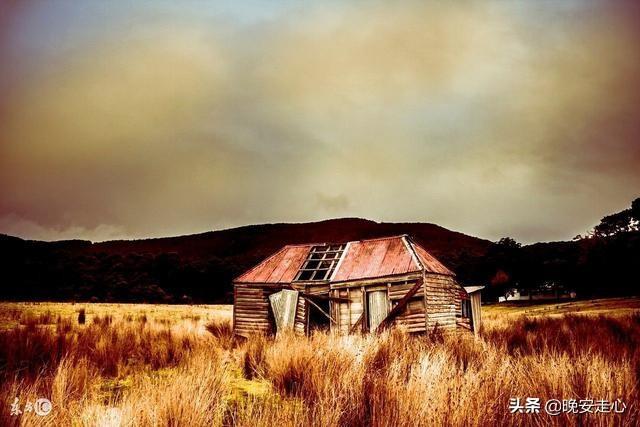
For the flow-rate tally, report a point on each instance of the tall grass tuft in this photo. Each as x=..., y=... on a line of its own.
x=222, y=330
x=115, y=371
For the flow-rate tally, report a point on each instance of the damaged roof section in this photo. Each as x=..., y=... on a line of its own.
x=360, y=259
x=321, y=263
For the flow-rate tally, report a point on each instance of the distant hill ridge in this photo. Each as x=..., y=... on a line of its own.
x=204, y=262
x=200, y=267
x=264, y=239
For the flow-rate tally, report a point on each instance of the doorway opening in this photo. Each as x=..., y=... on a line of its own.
x=319, y=310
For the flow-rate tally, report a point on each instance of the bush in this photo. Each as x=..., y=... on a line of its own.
x=222, y=330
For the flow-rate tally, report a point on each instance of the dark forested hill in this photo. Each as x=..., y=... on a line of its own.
x=197, y=267
x=200, y=267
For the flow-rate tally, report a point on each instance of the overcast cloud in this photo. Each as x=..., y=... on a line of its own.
x=494, y=119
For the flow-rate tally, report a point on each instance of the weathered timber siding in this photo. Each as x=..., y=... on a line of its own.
x=252, y=312
x=251, y=309
x=443, y=299
x=413, y=318
x=317, y=289
x=347, y=313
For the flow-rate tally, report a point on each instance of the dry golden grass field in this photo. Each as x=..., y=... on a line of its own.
x=158, y=365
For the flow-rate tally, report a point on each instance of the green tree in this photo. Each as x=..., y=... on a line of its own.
x=620, y=222
x=508, y=243
x=635, y=210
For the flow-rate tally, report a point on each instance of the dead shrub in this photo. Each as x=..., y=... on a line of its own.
x=222, y=330
x=103, y=321
x=30, y=319
x=254, y=356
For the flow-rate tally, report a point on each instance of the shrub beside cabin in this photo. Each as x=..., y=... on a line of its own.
x=360, y=286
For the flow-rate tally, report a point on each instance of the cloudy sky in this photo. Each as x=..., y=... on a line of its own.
x=133, y=119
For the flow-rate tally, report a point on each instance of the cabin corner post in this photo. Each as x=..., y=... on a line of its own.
x=425, y=301
x=364, y=325
x=234, y=310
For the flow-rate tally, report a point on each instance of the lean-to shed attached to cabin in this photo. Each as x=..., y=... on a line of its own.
x=359, y=286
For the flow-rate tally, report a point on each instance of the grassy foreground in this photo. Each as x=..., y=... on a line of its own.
x=152, y=365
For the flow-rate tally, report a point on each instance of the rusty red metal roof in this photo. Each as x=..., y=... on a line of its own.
x=362, y=259
x=280, y=267
x=430, y=263
x=375, y=258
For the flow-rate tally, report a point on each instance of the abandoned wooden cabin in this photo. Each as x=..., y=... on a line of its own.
x=359, y=286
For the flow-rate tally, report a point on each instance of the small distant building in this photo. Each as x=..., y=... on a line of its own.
x=358, y=286
x=540, y=294
x=514, y=295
